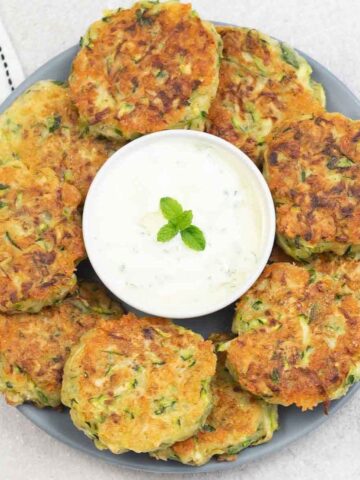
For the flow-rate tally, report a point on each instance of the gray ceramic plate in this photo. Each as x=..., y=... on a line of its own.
x=293, y=423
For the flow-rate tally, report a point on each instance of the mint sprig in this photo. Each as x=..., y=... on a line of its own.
x=180, y=221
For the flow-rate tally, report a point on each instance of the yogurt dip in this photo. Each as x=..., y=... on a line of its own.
x=230, y=202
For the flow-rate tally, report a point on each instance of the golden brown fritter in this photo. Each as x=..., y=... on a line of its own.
x=236, y=421
x=299, y=333
x=313, y=170
x=34, y=347
x=40, y=237
x=262, y=82
x=152, y=67
x=139, y=384
x=41, y=129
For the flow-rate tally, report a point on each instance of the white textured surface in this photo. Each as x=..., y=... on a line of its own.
x=11, y=73
x=327, y=30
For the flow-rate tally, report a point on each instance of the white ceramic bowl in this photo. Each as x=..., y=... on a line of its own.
x=117, y=166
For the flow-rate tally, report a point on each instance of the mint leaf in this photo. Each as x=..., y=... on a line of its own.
x=183, y=221
x=167, y=232
x=194, y=238
x=170, y=208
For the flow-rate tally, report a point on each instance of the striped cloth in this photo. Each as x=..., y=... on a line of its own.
x=11, y=73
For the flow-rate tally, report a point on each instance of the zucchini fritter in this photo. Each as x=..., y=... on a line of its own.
x=313, y=170
x=262, y=83
x=40, y=237
x=41, y=129
x=152, y=67
x=236, y=421
x=34, y=347
x=139, y=384
x=299, y=333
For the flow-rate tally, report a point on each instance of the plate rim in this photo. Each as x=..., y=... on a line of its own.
x=176, y=468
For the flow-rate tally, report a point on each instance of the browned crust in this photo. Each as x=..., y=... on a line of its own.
x=40, y=237
x=34, y=348
x=42, y=129
x=316, y=200
x=268, y=360
x=277, y=96
x=147, y=367
x=135, y=58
